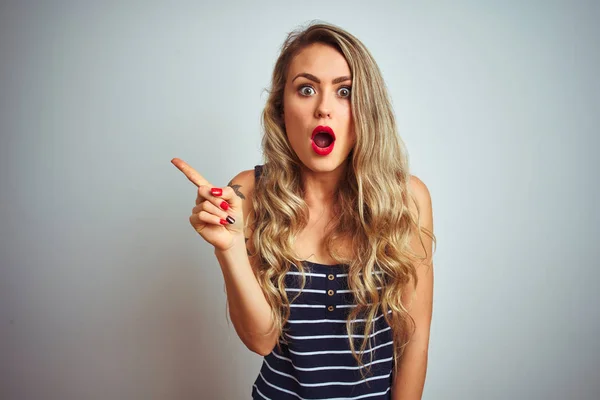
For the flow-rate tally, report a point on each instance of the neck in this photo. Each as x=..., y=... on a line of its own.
x=320, y=187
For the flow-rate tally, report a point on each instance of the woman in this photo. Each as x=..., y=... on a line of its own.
x=331, y=276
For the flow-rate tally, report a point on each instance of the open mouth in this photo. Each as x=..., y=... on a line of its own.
x=323, y=139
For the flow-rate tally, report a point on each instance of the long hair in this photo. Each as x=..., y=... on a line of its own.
x=371, y=201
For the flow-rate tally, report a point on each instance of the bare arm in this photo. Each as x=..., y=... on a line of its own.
x=410, y=380
x=248, y=309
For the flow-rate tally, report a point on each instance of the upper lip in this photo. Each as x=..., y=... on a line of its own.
x=322, y=128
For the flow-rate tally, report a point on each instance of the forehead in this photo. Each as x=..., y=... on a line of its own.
x=321, y=60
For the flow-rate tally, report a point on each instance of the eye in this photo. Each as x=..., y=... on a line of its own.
x=306, y=90
x=344, y=91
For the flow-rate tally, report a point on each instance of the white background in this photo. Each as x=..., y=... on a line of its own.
x=106, y=291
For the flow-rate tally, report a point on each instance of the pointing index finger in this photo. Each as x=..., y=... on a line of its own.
x=190, y=172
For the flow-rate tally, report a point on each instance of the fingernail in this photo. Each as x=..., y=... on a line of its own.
x=216, y=191
x=225, y=205
x=230, y=220
x=223, y=222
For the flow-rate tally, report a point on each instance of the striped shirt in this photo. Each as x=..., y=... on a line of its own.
x=317, y=362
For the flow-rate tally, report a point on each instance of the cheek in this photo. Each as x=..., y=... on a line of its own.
x=293, y=114
x=348, y=109
x=289, y=119
x=350, y=125
x=346, y=115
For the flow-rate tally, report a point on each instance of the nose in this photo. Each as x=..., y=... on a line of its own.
x=323, y=109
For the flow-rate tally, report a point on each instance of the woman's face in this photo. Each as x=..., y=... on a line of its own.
x=317, y=94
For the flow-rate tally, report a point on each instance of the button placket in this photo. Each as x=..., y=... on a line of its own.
x=332, y=285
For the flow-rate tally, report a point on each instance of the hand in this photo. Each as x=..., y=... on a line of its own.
x=208, y=216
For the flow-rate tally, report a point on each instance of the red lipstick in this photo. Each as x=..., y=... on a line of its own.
x=323, y=151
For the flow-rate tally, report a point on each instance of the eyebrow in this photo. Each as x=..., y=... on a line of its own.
x=315, y=79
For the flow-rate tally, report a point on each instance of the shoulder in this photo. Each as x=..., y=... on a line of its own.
x=243, y=183
x=421, y=196
x=418, y=189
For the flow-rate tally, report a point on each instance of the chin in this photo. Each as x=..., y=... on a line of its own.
x=325, y=164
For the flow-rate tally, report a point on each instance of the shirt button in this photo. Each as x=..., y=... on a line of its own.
x=330, y=292
x=330, y=308
x=330, y=277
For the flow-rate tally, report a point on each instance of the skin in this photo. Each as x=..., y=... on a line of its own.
x=409, y=382
x=308, y=104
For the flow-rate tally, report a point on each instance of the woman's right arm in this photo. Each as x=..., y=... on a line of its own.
x=248, y=308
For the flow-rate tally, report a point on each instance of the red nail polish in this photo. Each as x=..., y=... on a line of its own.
x=223, y=222
x=224, y=205
x=216, y=191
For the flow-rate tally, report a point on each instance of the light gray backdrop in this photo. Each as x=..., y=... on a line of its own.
x=106, y=292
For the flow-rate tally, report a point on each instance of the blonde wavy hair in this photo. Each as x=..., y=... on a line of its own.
x=370, y=205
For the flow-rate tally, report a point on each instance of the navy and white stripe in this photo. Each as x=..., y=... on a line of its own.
x=317, y=362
